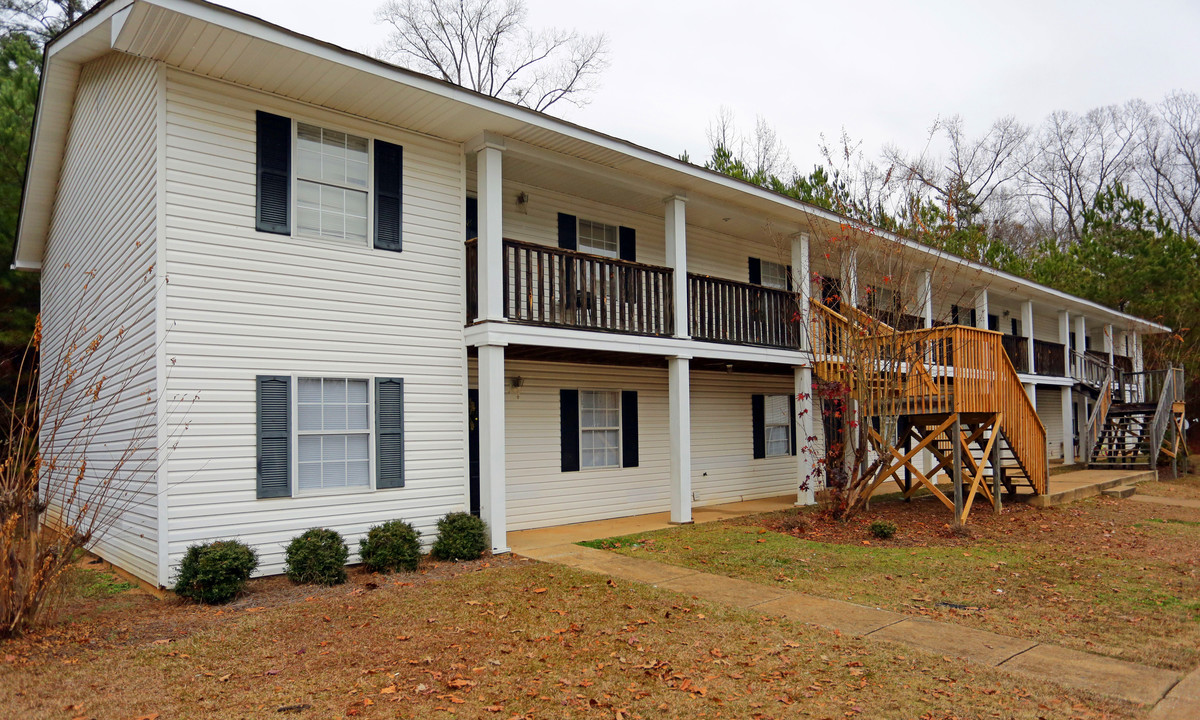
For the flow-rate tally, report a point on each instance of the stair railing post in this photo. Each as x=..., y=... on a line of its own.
x=996, y=466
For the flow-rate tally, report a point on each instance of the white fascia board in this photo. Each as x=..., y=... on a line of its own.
x=504, y=333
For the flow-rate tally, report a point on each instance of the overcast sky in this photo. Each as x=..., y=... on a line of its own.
x=881, y=70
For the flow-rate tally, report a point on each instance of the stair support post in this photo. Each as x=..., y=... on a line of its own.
x=955, y=432
x=996, y=470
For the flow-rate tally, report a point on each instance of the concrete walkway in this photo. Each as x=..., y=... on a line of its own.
x=1177, y=502
x=1107, y=676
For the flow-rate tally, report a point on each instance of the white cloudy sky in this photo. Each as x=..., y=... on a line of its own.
x=883, y=70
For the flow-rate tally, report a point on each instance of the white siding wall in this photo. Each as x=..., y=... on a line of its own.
x=242, y=303
x=540, y=494
x=98, y=274
x=1049, y=404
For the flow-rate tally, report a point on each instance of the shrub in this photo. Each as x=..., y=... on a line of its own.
x=794, y=523
x=317, y=556
x=883, y=529
x=215, y=572
x=394, y=545
x=461, y=536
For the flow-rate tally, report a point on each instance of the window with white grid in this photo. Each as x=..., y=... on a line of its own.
x=598, y=239
x=599, y=429
x=332, y=182
x=333, y=434
x=773, y=275
x=778, y=425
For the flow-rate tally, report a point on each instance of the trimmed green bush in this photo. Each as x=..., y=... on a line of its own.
x=461, y=536
x=215, y=572
x=882, y=529
x=392, y=546
x=318, y=556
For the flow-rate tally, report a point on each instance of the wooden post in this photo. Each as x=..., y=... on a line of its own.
x=955, y=433
x=996, y=468
x=907, y=449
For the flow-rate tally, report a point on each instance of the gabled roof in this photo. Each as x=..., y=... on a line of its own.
x=218, y=42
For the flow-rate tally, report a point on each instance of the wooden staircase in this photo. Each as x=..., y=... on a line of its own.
x=1133, y=434
x=1124, y=439
x=954, y=393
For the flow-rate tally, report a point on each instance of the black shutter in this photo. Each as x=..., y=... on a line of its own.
x=389, y=191
x=472, y=218
x=758, y=414
x=1016, y=326
x=568, y=231
x=974, y=319
x=955, y=318
x=755, y=271
x=993, y=322
x=792, y=414
x=274, y=170
x=789, y=278
x=628, y=243
x=389, y=433
x=274, y=401
x=568, y=404
x=629, y=428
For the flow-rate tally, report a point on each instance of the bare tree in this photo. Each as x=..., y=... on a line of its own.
x=1172, y=170
x=487, y=46
x=41, y=18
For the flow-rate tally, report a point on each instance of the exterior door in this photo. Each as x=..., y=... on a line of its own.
x=473, y=448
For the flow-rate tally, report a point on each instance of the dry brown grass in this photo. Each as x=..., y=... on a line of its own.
x=516, y=639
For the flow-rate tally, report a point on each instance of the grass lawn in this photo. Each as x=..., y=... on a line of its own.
x=1112, y=577
x=501, y=638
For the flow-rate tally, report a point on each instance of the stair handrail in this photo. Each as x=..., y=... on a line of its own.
x=1162, y=415
x=1095, y=421
x=1090, y=370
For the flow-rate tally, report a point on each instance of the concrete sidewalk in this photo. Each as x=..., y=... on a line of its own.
x=1176, y=502
x=1095, y=673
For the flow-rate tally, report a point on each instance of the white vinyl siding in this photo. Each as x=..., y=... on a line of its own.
x=99, y=272
x=242, y=303
x=1049, y=408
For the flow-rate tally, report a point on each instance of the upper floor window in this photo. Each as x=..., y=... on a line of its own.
x=332, y=184
x=774, y=275
x=598, y=238
x=319, y=182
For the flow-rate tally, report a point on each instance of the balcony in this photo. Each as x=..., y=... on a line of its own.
x=727, y=311
x=1049, y=358
x=1016, y=347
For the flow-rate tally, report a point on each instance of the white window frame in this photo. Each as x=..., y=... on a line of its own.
x=786, y=425
x=619, y=428
x=294, y=200
x=296, y=433
x=762, y=274
x=616, y=251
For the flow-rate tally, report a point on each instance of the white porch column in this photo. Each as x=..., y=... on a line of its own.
x=850, y=278
x=676, y=234
x=804, y=431
x=1081, y=340
x=1027, y=329
x=1109, y=343
x=981, y=309
x=1064, y=337
x=679, y=400
x=802, y=282
x=491, y=231
x=1031, y=391
x=1068, y=418
x=925, y=293
x=492, y=508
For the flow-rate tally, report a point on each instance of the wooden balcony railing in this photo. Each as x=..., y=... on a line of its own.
x=1049, y=358
x=553, y=287
x=728, y=311
x=1017, y=348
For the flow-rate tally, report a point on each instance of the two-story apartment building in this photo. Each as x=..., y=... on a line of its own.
x=355, y=293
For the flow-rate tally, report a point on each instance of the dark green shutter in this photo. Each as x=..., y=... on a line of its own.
x=273, y=137
x=755, y=271
x=568, y=405
x=472, y=218
x=568, y=232
x=792, y=413
x=389, y=191
x=274, y=402
x=629, y=428
x=389, y=433
x=628, y=243
x=758, y=415
x=789, y=278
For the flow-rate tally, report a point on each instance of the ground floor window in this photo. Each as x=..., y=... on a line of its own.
x=777, y=425
x=599, y=428
x=333, y=429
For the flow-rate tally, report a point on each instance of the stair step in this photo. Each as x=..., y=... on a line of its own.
x=1120, y=491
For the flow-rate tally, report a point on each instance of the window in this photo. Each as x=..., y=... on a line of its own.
x=774, y=275
x=333, y=434
x=332, y=171
x=598, y=239
x=777, y=425
x=599, y=429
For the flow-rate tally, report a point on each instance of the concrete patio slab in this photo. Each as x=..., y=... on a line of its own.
x=1078, y=485
x=833, y=614
x=954, y=640
x=1108, y=676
